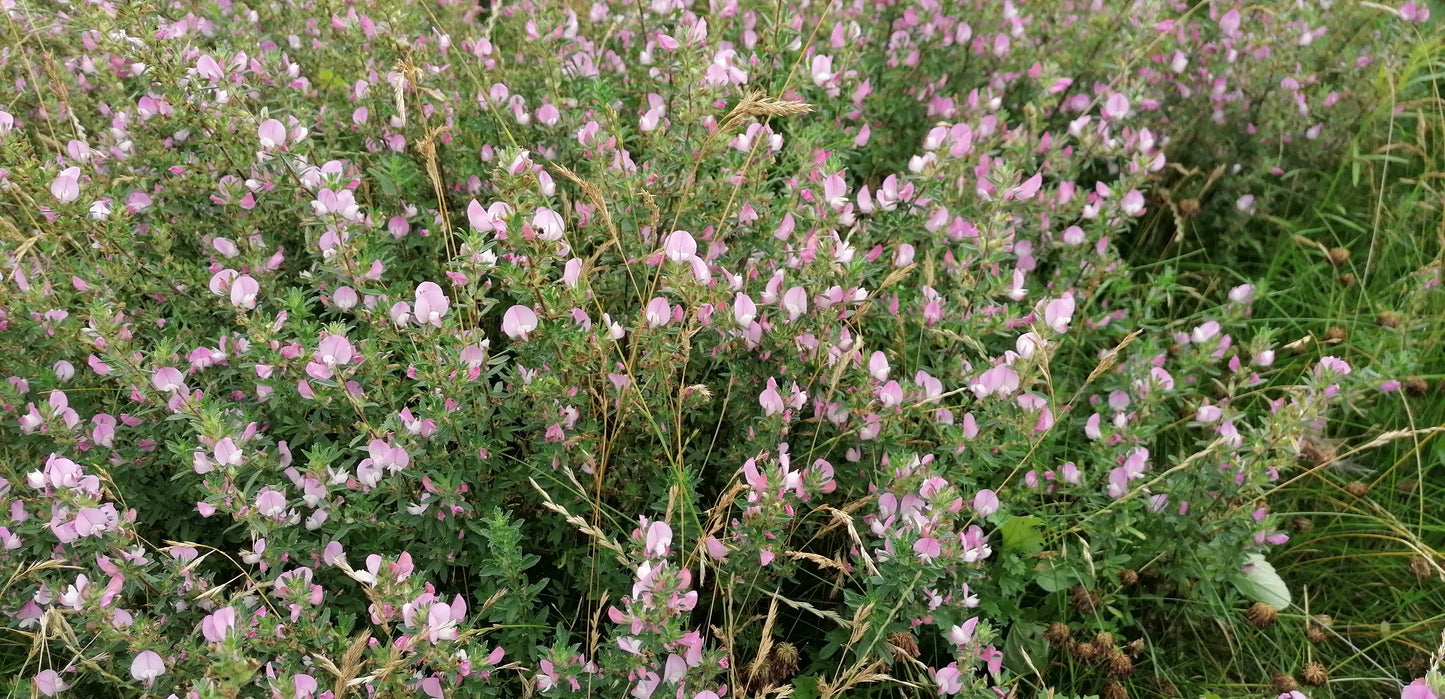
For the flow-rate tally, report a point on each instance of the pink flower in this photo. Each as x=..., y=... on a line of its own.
x=66, y=187
x=1415, y=12
x=217, y=626
x=1029, y=344
x=680, y=247
x=927, y=548
x=400, y=313
x=226, y=247
x=548, y=224
x=243, y=291
x=744, y=310
x=430, y=304
x=949, y=680
x=770, y=399
x=659, y=537
x=305, y=686
x=169, y=379
x=904, y=256
x=658, y=312
x=822, y=69
x=345, y=298
x=209, y=69
x=1133, y=203
x=271, y=503
x=49, y=683
x=890, y=394
x=878, y=366
x=441, y=622
x=518, y=322
x=1116, y=107
x=795, y=302
x=479, y=218
x=334, y=351
x=1332, y=365
x=985, y=503
x=147, y=667
x=1001, y=380
x=572, y=273
x=715, y=549
x=220, y=283
x=1419, y=689
x=963, y=635
x=227, y=453
x=1058, y=313
x=271, y=133
x=1229, y=24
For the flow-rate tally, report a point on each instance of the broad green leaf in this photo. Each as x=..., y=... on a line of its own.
x=1262, y=584
x=1055, y=578
x=1025, y=648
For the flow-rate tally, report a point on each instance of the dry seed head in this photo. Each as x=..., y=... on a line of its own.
x=1419, y=567
x=1058, y=634
x=1282, y=683
x=1302, y=524
x=1336, y=335
x=1314, y=674
x=1114, y=690
x=1317, y=452
x=1119, y=665
x=1316, y=634
x=783, y=661
x=1356, y=489
x=1086, y=601
x=1416, y=386
x=1388, y=319
x=1128, y=578
x=1135, y=648
x=1338, y=256
x=1104, y=640
x=903, y=645
x=1189, y=208
x=1262, y=615
x=1345, y=280
x=1086, y=653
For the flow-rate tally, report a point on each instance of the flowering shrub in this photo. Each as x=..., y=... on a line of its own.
x=639, y=349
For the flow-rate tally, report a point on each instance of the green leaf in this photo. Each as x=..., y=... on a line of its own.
x=805, y=687
x=1262, y=584
x=1025, y=648
x=1055, y=578
x=1023, y=535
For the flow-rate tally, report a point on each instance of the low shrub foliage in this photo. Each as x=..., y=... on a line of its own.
x=651, y=349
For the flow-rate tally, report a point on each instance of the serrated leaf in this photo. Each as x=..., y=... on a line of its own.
x=1023, y=535
x=805, y=687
